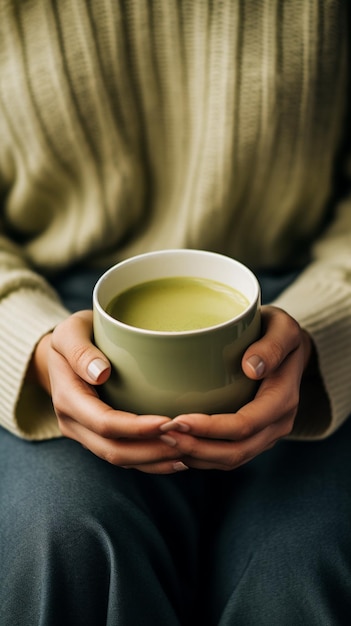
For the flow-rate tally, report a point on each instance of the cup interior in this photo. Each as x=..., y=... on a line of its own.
x=173, y=263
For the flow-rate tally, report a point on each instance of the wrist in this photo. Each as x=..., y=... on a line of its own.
x=38, y=372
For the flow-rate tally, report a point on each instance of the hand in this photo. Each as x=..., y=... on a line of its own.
x=226, y=441
x=69, y=367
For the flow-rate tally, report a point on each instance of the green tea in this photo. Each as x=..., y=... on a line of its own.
x=177, y=304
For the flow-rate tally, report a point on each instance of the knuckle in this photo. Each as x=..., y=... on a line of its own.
x=246, y=428
x=276, y=352
x=189, y=448
x=80, y=355
x=103, y=429
x=59, y=401
x=138, y=428
x=111, y=456
x=104, y=426
x=235, y=459
x=63, y=421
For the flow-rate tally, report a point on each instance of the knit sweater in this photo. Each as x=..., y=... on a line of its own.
x=133, y=125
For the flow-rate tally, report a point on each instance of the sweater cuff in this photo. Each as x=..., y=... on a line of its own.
x=26, y=316
x=321, y=302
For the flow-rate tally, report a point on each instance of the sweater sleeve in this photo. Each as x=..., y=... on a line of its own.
x=29, y=308
x=320, y=300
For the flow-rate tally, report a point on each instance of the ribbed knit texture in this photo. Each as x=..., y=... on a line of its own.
x=134, y=125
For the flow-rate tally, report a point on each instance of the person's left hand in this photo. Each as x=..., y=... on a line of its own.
x=225, y=441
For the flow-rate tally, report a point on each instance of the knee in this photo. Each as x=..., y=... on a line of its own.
x=291, y=564
x=67, y=510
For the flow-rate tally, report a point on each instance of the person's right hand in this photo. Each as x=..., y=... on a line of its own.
x=69, y=366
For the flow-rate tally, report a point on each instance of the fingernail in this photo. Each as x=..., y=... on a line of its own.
x=256, y=364
x=180, y=426
x=169, y=440
x=179, y=466
x=96, y=367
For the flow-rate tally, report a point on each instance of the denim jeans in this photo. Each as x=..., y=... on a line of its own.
x=84, y=543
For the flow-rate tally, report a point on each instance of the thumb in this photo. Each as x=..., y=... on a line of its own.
x=281, y=336
x=73, y=340
x=254, y=366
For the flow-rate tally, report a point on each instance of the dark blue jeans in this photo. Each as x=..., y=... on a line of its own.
x=84, y=543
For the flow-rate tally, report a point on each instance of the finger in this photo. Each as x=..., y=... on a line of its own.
x=245, y=423
x=277, y=398
x=228, y=455
x=150, y=455
x=207, y=465
x=281, y=336
x=164, y=467
x=73, y=339
x=74, y=398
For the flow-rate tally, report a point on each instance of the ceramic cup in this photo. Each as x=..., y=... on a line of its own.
x=169, y=373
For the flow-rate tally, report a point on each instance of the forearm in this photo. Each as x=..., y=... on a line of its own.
x=26, y=315
x=320, y=300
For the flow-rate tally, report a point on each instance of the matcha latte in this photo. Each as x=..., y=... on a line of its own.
x=177, y=304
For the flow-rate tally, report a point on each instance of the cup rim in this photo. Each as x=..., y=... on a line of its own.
x=174, y=334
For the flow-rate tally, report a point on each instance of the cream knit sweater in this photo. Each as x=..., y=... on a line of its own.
x=133, y=125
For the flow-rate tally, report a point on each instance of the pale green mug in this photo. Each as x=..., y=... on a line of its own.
x=170, y=373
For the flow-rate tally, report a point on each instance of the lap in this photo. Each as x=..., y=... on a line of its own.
x=73, y=522
x=282, y=547
x=277, y=530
